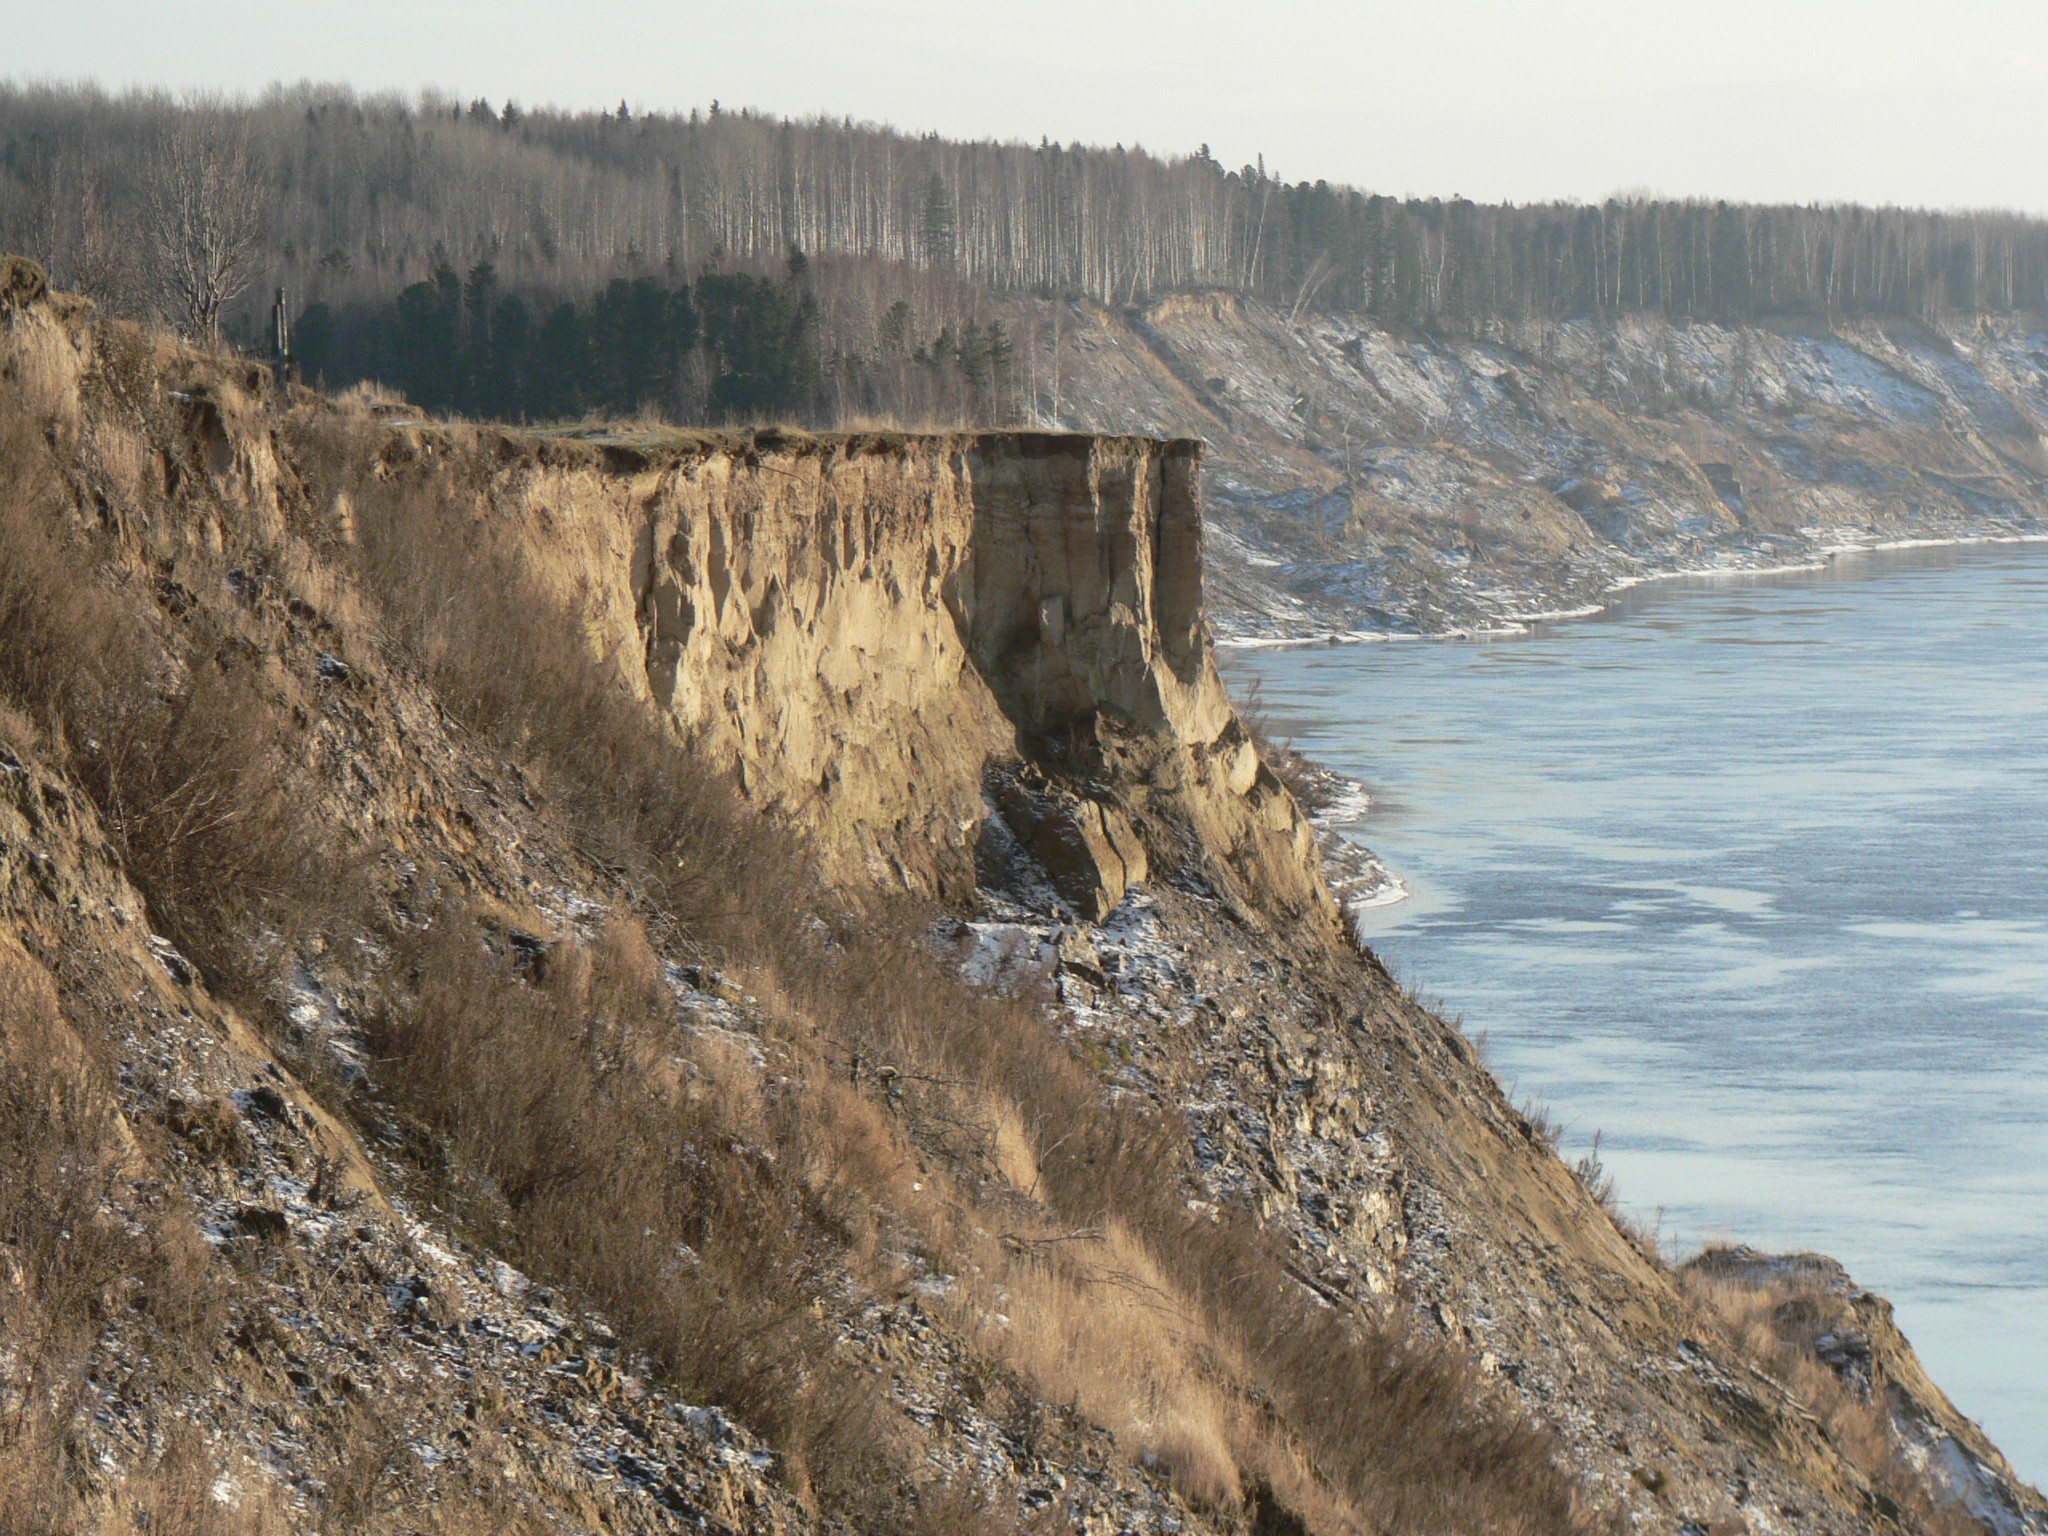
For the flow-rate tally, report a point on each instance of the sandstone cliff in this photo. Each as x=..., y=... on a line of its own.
x=878, y=631
x=668, y=982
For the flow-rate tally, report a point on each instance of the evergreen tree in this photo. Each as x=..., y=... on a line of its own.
x=759, y=334
x=502, y=379
x=937, y=229
x=316, y=342
x=894, y=334
x=479, y=363
x=426, y=339
x=559, y=383
x=639, y=334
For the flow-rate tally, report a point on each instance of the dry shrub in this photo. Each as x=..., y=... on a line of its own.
x=700, y=1248
x=1395, y=1423
x=372, y=1484
x=1404, y=1425
x=1775, y=1316
x=42, y=365
x=1199, y=1312
x=1015, y=1154
x=369, y=394
x=181, y=1491
x=1398, y=1425
x=1593, y=1177
x=695, y=1207
x=58, y=1146
x=1089, y=1318
x=197, y=788
x=72, y=1265
x=57, y=625
x=190, y=758
x=361, y=1486
x=182, y=763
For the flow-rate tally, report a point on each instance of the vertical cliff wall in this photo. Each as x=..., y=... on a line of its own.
x=893, y=640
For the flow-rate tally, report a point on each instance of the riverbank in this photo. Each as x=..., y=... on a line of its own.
x=1361, y=481
x=1510, y=624
x=1747, y=877
x=1340, y=807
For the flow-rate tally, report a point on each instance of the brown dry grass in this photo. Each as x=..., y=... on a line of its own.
x=79, y=1253
x=1199, y=1310
x=190, y=760
x=547, y=1102
x=190, y=754
x=1775, y=1323
x=74, y=1263
x=708, y=1209
x=1595, y=1179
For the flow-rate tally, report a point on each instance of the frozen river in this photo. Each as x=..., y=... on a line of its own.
x=1752, y=877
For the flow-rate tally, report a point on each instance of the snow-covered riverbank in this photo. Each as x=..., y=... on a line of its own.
x=1361, y=481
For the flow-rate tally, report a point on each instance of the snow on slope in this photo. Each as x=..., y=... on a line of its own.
x=1362, y=479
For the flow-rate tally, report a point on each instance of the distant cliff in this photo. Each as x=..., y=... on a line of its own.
x=1362, y=478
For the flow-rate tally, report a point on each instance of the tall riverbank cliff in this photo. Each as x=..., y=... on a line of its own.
x=664, y=982
x=1368, y=478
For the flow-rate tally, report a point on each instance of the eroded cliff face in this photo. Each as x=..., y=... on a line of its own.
x=1183, y=1218
x=887, y=636
x=1363, y=478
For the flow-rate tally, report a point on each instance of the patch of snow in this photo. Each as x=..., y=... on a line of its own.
x=1006, y=956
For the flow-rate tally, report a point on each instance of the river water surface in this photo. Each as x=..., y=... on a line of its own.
x=1751, y=876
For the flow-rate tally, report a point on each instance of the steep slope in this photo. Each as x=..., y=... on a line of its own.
x=1366, y=479
x=742, y=983
x=1803, y=1318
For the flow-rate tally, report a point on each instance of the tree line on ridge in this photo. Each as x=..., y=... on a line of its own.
x=542, y=263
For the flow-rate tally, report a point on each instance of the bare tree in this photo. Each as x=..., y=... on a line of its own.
x=205, y=211
x=384, y=191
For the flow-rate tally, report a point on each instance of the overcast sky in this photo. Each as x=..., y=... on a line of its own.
x=1933, y=102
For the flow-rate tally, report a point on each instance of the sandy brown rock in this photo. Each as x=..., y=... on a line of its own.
x=866, y=627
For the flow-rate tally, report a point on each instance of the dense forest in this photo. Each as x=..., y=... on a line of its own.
x=486, y=258
x=733, y=346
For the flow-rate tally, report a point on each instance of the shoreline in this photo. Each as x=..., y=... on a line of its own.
x=1510, y=624
x=1359, y=878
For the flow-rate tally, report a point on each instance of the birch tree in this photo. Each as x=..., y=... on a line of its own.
x=204, y=214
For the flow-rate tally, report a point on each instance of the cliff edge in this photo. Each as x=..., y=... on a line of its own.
x=888, y=637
